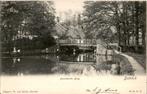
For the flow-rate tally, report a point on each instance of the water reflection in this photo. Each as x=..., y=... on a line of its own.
x=83, y=63
x=82, y=57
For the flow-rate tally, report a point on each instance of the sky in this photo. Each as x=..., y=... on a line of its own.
x=72, y=6
x=65, y=5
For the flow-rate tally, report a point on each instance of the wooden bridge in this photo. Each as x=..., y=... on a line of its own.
x=85, y=44
x=81, y=42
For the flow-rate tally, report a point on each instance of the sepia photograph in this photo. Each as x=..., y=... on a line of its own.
x=73, y=47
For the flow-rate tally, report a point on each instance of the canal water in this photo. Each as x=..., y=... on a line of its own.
x=79, y=64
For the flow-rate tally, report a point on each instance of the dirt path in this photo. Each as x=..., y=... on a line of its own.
x=139, y=70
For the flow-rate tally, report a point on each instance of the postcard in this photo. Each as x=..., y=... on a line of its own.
x=73, y=47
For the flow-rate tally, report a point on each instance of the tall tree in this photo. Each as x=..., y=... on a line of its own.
x=97, y=19
x=27, y=18
x=128, y=19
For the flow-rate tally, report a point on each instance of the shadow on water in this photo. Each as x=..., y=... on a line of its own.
x=82, y=63
x=26, y=65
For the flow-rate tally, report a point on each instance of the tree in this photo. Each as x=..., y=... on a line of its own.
x=26, y=18
x=128, y=19
x=97, y=19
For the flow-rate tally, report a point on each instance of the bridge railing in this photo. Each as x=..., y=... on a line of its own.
x=78, y=41
x=83, y=42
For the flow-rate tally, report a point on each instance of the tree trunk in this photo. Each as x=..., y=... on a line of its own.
x=118, y=24
x=137, y=24
x=144, y=27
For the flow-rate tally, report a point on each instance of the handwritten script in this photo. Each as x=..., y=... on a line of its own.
x=98, y=90
x=130, y=77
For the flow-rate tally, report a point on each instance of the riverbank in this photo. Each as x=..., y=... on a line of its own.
x=50, y=50
x=136, y=66
x=140, y=58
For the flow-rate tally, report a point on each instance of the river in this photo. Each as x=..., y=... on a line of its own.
x=79, y=64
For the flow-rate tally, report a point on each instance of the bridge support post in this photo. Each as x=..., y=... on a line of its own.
x=58, y=46
x=74, y=51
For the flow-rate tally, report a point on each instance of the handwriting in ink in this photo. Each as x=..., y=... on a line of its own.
x=102, y=91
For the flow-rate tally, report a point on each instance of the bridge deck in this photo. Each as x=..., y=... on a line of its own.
x=84, y=45
x=77, y=63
